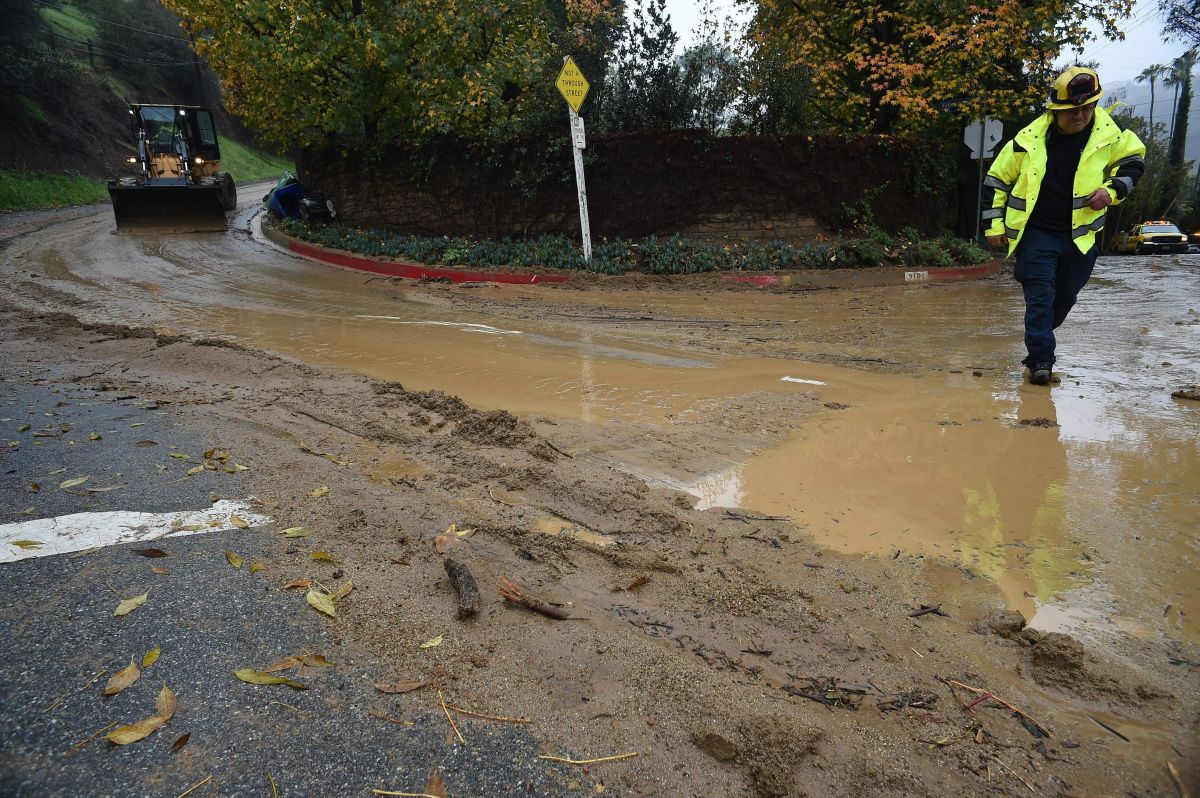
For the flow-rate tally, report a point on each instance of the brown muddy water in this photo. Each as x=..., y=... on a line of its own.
x=1082, y=501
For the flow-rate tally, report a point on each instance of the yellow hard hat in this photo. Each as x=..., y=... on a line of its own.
x=1073, y=88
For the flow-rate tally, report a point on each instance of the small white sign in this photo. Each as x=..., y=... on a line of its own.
x=913, y=277
x=982, y=135
x=578, y=137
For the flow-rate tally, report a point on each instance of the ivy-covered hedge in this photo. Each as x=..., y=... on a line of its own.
x=652, y=255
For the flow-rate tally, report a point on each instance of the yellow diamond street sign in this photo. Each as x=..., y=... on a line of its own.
x=572, y=84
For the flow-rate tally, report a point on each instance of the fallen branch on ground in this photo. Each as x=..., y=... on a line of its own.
x=512, y=593
x=465, y=587
x=569, y=761
x=978, y=691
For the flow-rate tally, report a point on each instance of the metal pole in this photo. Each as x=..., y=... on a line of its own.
x=581, y=186
x=979, y=194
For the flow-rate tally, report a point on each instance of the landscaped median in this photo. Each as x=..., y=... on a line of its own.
x=553, y=258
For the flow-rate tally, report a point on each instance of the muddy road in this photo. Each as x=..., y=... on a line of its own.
x=741, y=494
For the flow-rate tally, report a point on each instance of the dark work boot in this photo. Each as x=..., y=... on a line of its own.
x=1039, y=373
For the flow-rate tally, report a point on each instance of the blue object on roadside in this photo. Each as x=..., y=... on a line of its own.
x=284, y=201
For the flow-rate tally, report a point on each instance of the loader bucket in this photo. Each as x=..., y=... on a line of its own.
x=167, y=208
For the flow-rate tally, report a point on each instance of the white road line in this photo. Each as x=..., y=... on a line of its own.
x=462, y=325
x=800, y=379
x=67, y=533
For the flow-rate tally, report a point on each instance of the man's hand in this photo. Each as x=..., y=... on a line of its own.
x=1099, y=199
x=997, y=242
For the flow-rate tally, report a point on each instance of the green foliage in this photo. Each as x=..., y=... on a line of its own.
x=27, y=190
x=674, y=255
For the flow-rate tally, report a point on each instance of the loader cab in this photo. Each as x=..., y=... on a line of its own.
x=162, y=124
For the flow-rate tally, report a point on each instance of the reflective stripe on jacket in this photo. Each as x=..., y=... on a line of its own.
x=1112, y=159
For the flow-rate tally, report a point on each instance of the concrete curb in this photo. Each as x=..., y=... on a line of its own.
x=411, y=271
x=415, y=271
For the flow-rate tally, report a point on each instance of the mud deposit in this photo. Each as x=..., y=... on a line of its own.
x=818, y=586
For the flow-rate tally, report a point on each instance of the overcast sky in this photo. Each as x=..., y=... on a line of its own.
x=1119, y=61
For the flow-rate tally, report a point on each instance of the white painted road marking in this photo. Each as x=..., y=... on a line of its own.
x=806, y=382
x=79, y=531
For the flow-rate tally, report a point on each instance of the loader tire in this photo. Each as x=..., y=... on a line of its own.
x=228, y=190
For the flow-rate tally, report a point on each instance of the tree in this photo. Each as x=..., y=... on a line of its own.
x=644, y=87
x=1181, y=19
x=886, y=65
x=401, y=70
x=1151, y=74
x=1175, y=153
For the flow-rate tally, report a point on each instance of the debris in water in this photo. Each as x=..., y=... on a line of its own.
x=512, y=593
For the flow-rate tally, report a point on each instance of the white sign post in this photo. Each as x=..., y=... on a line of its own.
x=981, y=135
x=574, y=88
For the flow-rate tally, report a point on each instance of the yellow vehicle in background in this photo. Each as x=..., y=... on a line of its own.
x=1148, y=237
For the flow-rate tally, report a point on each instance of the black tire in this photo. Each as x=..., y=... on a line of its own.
x=228, y=190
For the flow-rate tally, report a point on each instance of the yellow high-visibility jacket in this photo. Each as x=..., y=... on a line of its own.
x=1112, y=159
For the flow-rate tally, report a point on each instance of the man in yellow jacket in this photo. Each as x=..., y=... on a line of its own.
x=1045, y=199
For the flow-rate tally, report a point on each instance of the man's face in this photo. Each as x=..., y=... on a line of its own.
x=1074, y=120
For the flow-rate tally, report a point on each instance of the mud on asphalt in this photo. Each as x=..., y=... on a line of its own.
x=733, y=655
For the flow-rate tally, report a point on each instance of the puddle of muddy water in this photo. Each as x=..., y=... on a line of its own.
x=555, y=526
x=1088, y=512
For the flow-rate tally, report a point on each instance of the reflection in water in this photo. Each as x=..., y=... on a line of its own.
x=722, y=489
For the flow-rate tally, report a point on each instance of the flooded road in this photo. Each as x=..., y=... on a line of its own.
x=884, y=420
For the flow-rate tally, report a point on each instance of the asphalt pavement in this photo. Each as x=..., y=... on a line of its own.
x=63, y=642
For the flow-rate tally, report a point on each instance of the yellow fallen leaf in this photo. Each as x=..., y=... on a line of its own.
x=287, y=663
x=138, y=424
x=343, y=591
x=122, y=679
x=70, y=483
x=295, y=532
x=240, y=467
x=319, y=492
x=151, y=657
x=193, y=471
x=321, y=602
x=180, y=456
x=437, y=641
x=62, y=470
x=34, y=487
x=298, y=583
x=26, y=544
x=251, y=676
x=129, y=605
x=238, y=521
x=95, y=436
x=165, y=704
x=314, y=660
x=323, y=556
x=161, y=571
x=256, y=566
x=160, y=466
x=29, y=511
x=234, y=558
x=23, y=428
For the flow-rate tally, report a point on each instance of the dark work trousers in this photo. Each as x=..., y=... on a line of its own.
x=1052, y=271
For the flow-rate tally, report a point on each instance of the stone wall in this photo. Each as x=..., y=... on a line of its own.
x=689, y=182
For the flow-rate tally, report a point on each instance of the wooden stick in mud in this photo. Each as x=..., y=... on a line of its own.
x=929, y=609
x=465, y=587
x=998, y=700
x=512, y=593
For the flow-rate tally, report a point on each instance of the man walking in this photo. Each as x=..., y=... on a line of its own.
x=1045, y=199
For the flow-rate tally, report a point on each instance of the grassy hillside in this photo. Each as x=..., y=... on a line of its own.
x=247, y=164
x=20, y=191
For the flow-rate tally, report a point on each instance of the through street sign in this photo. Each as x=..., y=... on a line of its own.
x=572, y=85
x=981, y=135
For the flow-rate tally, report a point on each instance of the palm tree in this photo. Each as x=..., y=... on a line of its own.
x=1149, y=75
x=1173, y=76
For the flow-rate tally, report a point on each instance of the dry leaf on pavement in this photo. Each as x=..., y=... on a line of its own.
x=152, y=553
x=238, y=521
x=122, y=679
x=297, y=583
x=437, y=641
x=321, y=602
x=319, y=492
x=165, y=704
x=151, y=657
x=129, y=605
x=251, y=676
x=234, y=559
x=70, y=483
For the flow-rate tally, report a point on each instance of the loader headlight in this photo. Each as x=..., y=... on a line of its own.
x=199, y=160
x=131, y=159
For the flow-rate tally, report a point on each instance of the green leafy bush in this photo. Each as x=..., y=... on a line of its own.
x=673, y=255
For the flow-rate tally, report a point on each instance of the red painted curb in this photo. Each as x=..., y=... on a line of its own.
x=411, y=271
